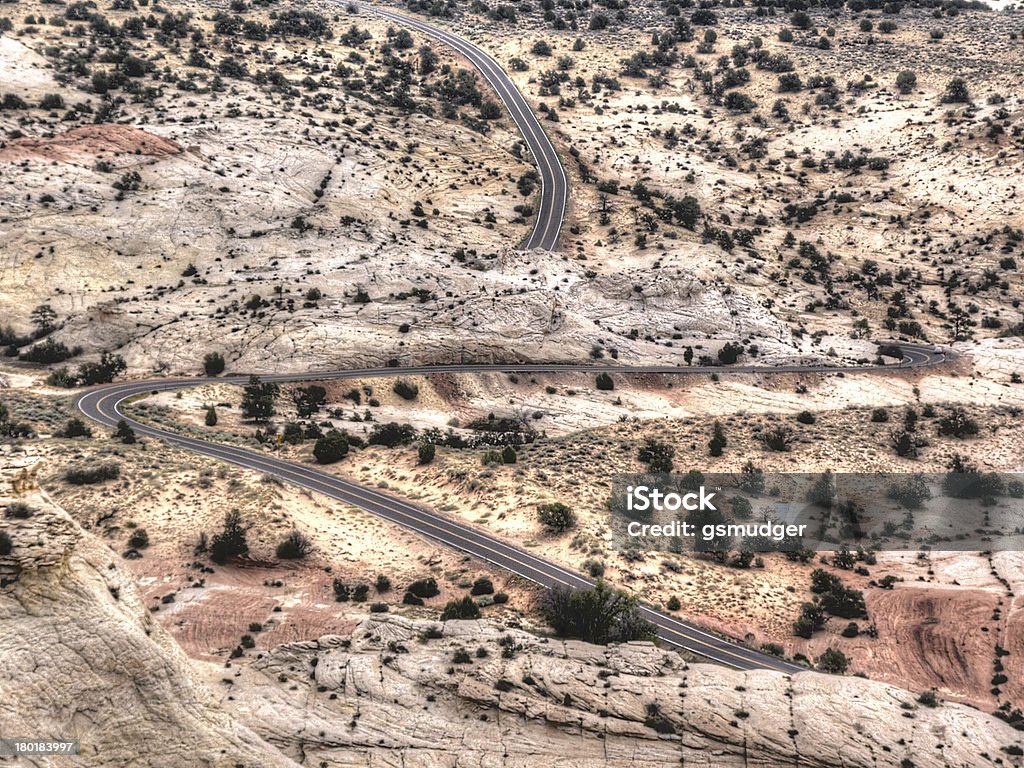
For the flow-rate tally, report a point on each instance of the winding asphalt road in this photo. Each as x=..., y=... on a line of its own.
x=554, y=187
x=103, y=404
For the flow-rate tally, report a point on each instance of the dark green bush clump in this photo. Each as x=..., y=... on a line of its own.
x=93, y=475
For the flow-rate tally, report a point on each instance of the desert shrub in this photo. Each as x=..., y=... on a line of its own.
x=928, y=699
x=956, y=92
x=214, y=364
x=482, y=586
x=718, y=442
x=811, y=619
x=331, y=447
x=295, y=546
x=378, y=607
x=49, y=351
x=139, y=539
x=656, y=455
x=93, y=475
x=309, y=400
x=465, y=608
x=833, y=661
x=777, y=439
x=103, y=372
x=704, y=17
x=673, y=603
x=879, y=416
x=19, y=510
x=957, y=424
x=392, y=434
x=405, y=390
x=556, y=517
x=342, y=591
x=211, y=416
x=806, y=417
x=604, y=382
x=737, y=101
x=910, y=492
x=61, y=377
x=125, y=433
x=426, y=452
x=597, y=615
x=382, y=584
x=424, y=588
x=5, y=544
x=75, y=427
x=906, y=81
x=258, y=399
x=844, y=602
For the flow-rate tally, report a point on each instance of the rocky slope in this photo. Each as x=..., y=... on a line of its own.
x=81, y=658
x=401, y=692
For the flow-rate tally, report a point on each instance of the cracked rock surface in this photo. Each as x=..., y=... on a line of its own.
x=395, y=693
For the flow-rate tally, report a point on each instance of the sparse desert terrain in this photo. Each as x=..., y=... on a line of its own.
x=205, y=188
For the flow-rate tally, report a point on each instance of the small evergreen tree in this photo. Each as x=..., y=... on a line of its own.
x=125, y=433
x=214, y=364
x=231, y=541
x=258, y=399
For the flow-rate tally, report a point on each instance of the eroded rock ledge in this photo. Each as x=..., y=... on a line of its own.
x=400, y=692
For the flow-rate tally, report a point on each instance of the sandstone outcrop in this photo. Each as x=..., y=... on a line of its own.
x=400, y=692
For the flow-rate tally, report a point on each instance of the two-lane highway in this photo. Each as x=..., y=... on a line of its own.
x=103, y=404
x=554, y=187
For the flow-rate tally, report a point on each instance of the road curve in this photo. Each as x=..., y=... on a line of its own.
x=103, y=404
x=554, y=186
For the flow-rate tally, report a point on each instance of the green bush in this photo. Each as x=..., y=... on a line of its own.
x=597, y=615
x=214, y=364
x=556, y=517
x=833, y=661
x=331, y=447
x=125, y=433
x=426, y=453
x=406, y=390
x=93, y=475
x=465, y=608
x=482, y=586
x=424, y=588
x=392, y=434
x=75, y=427
x=295, y=546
